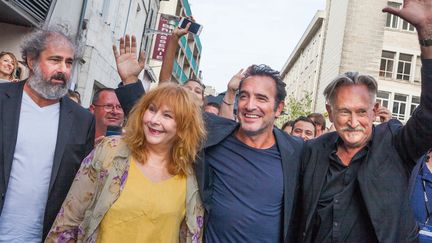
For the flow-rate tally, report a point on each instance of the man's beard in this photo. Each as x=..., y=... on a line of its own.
x=45, y=87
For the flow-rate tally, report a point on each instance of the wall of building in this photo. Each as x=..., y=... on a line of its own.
x=335, y=25
x=301, y=76
x=106, y=22
x=355, y=35
x=363, y=37
x=399, y=95
x=11, y=41
x=69, y=21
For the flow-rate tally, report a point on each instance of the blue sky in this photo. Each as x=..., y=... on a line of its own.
x=238, y=33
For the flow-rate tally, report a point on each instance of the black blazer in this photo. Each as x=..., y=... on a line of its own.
x=383, y=177
x=74, y=141
x=218, y=129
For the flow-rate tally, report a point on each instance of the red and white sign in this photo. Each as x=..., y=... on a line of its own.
x=161, y=40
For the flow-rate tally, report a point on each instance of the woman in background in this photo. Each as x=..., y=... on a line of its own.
x=140, y=187
x=8, y=66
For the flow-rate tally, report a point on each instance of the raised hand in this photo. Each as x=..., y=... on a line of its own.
x=227, y=105
x=418, y=13
x=128, y=66
x=170, y=54
x=234, y=83
x=384, y=114
x=179, y=32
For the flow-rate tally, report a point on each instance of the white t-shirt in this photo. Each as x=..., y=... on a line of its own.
x=27, y=193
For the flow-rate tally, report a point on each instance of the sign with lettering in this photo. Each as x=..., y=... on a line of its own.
x=161, y=40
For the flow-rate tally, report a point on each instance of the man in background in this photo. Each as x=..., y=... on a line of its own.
x=212, y=107
x=107, y=111
x=320, y=123
x=304, y=128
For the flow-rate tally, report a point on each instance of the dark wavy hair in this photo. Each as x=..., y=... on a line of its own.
x=266, y=71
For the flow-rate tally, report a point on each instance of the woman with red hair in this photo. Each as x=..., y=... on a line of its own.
x=140, y=187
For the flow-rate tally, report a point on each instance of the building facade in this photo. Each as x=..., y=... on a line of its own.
x=188, y=56
x=105, y=22
x=301, y=71
x=96, y=25
x=357, y=36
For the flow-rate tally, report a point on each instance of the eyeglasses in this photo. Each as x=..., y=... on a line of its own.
x=110, y=107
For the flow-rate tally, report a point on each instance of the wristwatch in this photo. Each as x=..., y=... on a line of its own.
x=427, y=42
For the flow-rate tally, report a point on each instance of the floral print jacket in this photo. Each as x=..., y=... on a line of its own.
x=98, y=184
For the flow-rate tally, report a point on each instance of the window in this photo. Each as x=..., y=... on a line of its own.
x=399, y=106
x=404, y=66
x=387, y=62
x=392, y=20
x=395, y=22
x=407, y=26
x=383, y=98
x=415, y=101
x=417, y=77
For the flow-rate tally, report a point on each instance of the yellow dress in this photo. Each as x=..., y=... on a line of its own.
x=145, y=211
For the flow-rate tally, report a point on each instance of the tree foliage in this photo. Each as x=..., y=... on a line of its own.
x=295, y=108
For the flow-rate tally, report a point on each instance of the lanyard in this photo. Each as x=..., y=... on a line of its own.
x=428, y=210
x=426, y=199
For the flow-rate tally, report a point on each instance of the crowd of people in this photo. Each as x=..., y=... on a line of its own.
x=187, y=170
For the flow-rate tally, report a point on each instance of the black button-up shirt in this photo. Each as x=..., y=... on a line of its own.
x=341, y=212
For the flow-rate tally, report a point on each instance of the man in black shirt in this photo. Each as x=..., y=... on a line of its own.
x=355, y=180
x=340, y=210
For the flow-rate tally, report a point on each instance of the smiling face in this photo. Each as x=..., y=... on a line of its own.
x=304, y=130
x=352, y=114
x=7, y=66
x=160, y=127
x=104, y=116
x=256, y=105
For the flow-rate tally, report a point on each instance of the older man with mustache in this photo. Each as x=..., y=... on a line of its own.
x=355, y=180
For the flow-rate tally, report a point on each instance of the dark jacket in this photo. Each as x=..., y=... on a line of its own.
x=218, y=129
x=421, y=164
x=415, y=172
x=74, y=141
x=129, y=94
x=383, y=177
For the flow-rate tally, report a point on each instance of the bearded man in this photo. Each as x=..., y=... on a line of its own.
x=44, y=136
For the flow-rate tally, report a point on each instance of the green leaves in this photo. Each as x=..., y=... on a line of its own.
x=295, y=107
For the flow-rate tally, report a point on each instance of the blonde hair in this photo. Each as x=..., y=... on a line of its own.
x=190, y=127
x=14, y=61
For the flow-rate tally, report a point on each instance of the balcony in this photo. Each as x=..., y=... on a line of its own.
x=180, y=75
x=24, y=12
x=189, y=55
x=186, y=7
